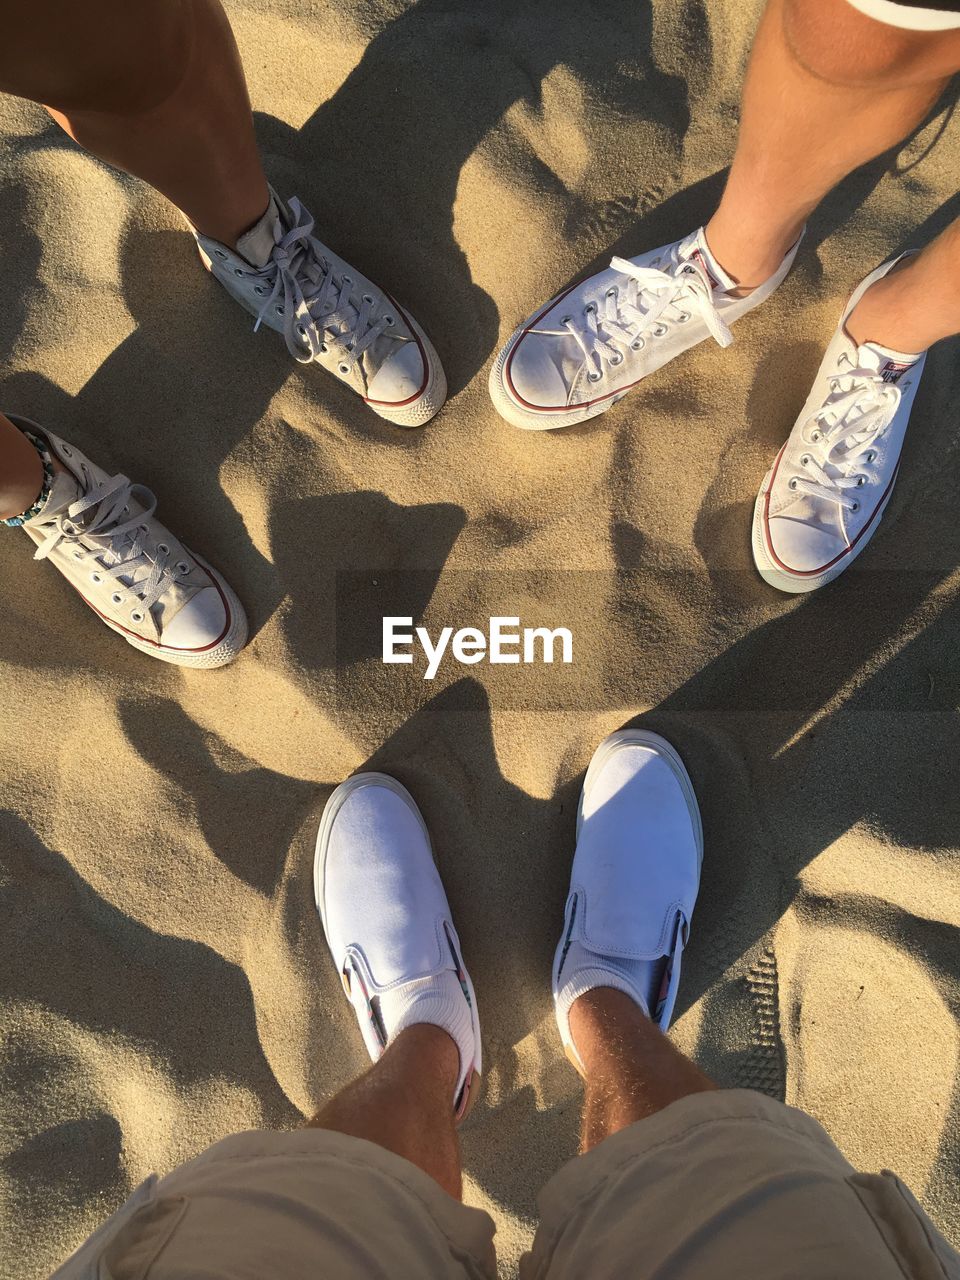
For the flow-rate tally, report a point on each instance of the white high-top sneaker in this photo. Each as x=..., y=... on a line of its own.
x=589, y=346
x=101, y=533
x=822, y=499
x=329, y=313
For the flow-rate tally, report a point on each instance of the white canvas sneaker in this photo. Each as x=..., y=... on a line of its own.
x=635, y=879
x=101, y=533
x=329, y=313
x=589, y=346
x=388, y=925
x=822, y=499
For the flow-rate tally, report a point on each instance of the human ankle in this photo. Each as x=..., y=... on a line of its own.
x=749, y=256
x=603, y=1022
x=896, y=315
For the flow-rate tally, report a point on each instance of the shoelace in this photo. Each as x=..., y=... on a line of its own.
x=316, y=309
x=98, y=533
x=860, y=411
x=649, y=300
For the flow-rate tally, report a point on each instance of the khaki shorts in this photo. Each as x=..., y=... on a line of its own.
x=716, y=1187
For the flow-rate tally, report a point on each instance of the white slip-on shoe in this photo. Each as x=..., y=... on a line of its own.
x=589, y=346
x=635, y=878
x=388, y=924
x=821, y=501
x=330, y=313
x=100, y=532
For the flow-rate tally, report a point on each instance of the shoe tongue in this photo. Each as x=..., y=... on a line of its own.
x=64, y=490
x=697, y=250
x=891, y=365
x=256, y=245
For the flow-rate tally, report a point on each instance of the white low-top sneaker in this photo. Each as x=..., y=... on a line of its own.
x=589, y=346
x=635, y=878
x=388, y=924
x=330, y=313
x=822, y=499
x=100, y=532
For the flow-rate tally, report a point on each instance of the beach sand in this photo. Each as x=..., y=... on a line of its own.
x=165, y=981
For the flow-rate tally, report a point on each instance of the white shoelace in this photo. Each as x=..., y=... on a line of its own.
x=649, y=300
x=316, y=308
x=100, y=531
x=844, y=432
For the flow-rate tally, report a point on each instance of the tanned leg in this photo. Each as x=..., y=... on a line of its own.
x=155, y=88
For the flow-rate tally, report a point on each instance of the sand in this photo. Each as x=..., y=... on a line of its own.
x=165, y=981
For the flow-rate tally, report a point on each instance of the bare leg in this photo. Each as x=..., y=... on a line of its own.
x=632, y=1069
x=827, y=90
x=918, y=303
x=21, y=471
x=404, y=1104
x=155, y=88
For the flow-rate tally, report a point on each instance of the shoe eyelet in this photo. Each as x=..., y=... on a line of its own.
x=301, y=330
x=78, y=554
x=220, y=253
x=616, y=360
x=611, y=293
x=872, y=456
x=348, y=280
x=794, y=481
x=861, y=481
x=816, y=435
x=349, y=346
x=659, y=330
x=143, y=528
x=117, y=598
x=96, y=577
x=258, y=288
x=594, y=377
x=137, y=616
x=683, y=317
x=368, y=297
x=389, y=320
x=344, y=369
x=590, y=309
x=323, y=348
x=805, y=460
x=239, y=271
x=566, y=320
x=636, y=346
x=279, y=311
x=855, y=506
x=182, y=566
x=163, y=548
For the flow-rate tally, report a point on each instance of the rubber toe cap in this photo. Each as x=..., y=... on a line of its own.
x=533, y=377
x=200, y=623
x=399, y=378
x=801, y=547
